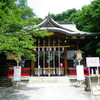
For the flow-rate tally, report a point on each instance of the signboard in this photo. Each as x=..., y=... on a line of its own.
x=17, y=73
x=92, y=61
x=96, y=90
x=80, y=72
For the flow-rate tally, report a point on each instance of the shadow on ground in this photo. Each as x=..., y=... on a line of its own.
x=13, y=93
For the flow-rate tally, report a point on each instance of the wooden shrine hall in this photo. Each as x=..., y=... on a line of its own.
x=55, y=53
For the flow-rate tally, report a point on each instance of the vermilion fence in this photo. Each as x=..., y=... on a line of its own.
x=24, y=72
x=72, y=71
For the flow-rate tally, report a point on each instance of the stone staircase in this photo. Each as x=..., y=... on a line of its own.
x=57, y=79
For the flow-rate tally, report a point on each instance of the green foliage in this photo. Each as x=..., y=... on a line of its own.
x=14, y=36
x=98, y=46
x=87, y=19
x=19, y=45
x=13, y=19
x=90, y=47
x=98, y=49
x=64, y=16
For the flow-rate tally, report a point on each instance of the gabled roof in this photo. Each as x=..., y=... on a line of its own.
x=64, y=28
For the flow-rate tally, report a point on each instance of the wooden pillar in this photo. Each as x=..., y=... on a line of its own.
x=65, y=61
x=32, y=66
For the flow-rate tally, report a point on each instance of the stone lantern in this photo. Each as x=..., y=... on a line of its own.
x=79, y=56
x=11, y=56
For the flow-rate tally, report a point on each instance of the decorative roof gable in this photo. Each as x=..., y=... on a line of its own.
x=49, y=22
x=68, y=29
x=64, y=28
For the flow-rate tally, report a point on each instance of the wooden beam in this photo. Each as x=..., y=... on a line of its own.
x=32, y=66
x=65, y=61
x=55, y=46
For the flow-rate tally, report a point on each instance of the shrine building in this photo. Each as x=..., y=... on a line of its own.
x=56, y=53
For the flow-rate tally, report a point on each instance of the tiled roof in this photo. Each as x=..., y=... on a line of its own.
x=62, y=27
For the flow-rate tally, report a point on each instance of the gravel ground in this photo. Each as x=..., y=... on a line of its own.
x=46, y=91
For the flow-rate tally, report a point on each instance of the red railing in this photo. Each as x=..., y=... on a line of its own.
x=72, y=71
x=24, y=72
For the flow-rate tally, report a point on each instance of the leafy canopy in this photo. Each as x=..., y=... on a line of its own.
x=15, y=15
x=86, y=19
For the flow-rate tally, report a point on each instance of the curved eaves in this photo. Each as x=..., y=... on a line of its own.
x=42, y=23
x=59, y=26
x=62, y=31
x=49, y=19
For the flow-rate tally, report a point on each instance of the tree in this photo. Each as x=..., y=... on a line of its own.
x=14, y=36
x=64, y=16
x=86, y=19
x=98, y=48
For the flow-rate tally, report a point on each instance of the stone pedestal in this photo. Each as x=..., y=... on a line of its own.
x=87, y=84
x=5, y=81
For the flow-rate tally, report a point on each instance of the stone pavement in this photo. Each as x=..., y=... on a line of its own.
x=45, y=91
x=58, y=92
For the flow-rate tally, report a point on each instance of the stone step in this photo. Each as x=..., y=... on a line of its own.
x=64, y=79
